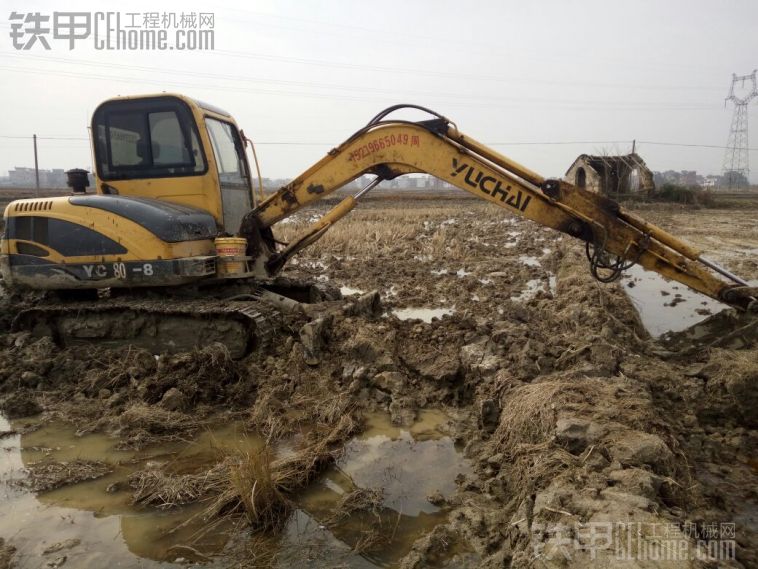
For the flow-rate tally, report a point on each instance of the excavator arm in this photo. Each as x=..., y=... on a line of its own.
x=615, y=239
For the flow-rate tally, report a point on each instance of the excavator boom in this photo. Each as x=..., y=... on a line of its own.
x=615, y=238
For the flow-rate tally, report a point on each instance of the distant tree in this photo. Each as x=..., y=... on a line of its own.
x=733, y=180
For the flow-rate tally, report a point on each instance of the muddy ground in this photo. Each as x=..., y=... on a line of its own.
x=500, y=409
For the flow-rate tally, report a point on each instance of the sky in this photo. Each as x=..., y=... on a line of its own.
x=541, y=81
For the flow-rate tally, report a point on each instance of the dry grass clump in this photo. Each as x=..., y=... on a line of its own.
x=44, y=476
x=156, y=420
x=258, y=486
x=274, y=419
x=164, y=491
x=529, y=412
x=141, y=425
x=116, y=368
x=254, y=485
x=322, y=446
x=367, y=500
x=730, y=364
x=371, y=539
x=525, y=432
x=267, y=416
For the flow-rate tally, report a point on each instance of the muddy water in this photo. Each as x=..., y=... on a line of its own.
x=666, y=306
x=423, y=314
x=99, y=513
x=407, y=464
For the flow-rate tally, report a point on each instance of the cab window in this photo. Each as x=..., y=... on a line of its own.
x=227, y=148
x=144, y=139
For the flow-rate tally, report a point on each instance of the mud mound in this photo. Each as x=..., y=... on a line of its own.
x=203, y=376
x=19, y=405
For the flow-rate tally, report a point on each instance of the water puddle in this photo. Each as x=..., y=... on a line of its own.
x=423, y=314
x=404, y=467
x=666, y=306
x=98, y=516
x=529, y=260
x=99, y=526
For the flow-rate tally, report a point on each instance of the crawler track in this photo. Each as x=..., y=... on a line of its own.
x=166, y=325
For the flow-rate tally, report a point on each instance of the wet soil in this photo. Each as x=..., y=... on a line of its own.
x=499, y=396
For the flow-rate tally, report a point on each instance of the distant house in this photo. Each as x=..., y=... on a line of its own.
x=710, y=182
x=611, y=175
x=25, y=177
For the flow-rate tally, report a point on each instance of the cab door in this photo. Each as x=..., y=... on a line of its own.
x=233, y=173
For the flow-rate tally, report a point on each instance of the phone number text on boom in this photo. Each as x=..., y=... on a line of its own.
x=384, y=142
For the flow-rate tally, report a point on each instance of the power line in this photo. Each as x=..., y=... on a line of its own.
x=689, y=145
x=46, y=137
x=511, y=143
x=424, y=40
x=484, y=47
x=489, y=101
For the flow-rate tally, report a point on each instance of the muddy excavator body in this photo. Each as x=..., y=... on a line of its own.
x=174, y=209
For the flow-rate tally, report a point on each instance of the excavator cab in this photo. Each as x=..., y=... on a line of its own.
x=171, y=177
x=175, y=149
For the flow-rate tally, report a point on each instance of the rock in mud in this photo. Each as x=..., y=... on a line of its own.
x=433, y=365
x=479, y=356
x=390, y=381
x=173, y=400
x=636, y=481
x=577, y=434
x=635, y=448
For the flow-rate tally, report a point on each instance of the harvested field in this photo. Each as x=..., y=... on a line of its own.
x=500, y=403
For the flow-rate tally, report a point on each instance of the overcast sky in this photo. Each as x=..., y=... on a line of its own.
x=310, y=73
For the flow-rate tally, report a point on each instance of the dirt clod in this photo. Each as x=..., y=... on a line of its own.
x=19, y=405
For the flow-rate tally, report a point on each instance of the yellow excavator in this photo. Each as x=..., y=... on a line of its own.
x=173, y=247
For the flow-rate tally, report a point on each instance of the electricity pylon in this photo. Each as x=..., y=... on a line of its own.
x=736, y=168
